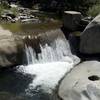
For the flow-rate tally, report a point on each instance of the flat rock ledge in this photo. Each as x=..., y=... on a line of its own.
x=82, y=83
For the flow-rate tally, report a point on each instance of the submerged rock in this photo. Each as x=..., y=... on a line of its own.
x=90, y=38
x=82, y=83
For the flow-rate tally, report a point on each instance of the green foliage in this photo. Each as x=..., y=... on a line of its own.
x=61, y=5
x=58, y=6
x=1, y=9
x=3, y=5
x=94, y=10
x=14, y=10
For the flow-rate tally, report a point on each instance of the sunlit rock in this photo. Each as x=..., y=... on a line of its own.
x=82, y=83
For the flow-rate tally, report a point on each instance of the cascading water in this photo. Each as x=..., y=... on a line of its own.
x=50, y=65
x=55, y=52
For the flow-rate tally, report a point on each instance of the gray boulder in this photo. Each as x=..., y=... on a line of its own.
x=10, y=49
x=90, y=38
x=82, y=83
x=71, y=20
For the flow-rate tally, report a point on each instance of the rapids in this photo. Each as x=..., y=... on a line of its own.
x=49, y=66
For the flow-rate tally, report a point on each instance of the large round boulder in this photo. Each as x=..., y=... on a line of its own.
x=82, y=83
x=11, y=51
x=90, y=38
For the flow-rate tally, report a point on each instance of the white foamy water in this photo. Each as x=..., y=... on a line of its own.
x=57, y=51
x=52, y=64
x=47, y=75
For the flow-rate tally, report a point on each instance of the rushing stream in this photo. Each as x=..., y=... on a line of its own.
x=39, y=79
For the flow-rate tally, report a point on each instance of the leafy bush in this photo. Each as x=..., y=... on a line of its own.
x=94, y=10
x=3, y=5
x=61, y=5
x=58, y=6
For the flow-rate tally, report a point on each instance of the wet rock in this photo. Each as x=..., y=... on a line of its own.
x=90, y=38
x=71, y=20
x=82, y=83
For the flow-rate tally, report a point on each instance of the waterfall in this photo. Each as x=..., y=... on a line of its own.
x=49, y=53
x=50, y=65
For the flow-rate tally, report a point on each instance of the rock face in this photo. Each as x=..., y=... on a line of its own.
x=71, y=20
x=82, y=83
x=10, y=49
x=90, y=38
